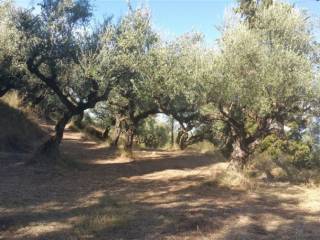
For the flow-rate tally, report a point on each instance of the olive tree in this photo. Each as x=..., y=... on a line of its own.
x=179, y=64
x=73, y=61
x=262, y=77
x=131, y=101
x=12, y=68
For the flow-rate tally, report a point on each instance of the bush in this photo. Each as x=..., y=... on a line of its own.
x=153, y=134
x=298, y=153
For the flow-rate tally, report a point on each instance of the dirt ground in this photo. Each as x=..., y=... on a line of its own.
x=158, y=195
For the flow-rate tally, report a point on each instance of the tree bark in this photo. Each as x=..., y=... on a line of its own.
x=129, y=138
x=240, y=153
x=78, y=121
x=117, y=132
x=172, y=131
x=49, y=151
x=105, y=134
x=182, y=139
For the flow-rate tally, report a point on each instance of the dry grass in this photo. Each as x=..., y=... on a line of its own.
x=108, y=214
x=89, y=132
x=204, y=147
x=158, y=195
x=233, y=178
x=18, y=131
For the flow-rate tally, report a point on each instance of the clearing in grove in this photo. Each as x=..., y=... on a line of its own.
x=158, y=195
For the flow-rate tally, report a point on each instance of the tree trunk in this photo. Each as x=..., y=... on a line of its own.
x=182, y=138
x=172, y=131
x=129, y=138
x=78, y=121
x=49, y=151
x=240, y=153
x=117, y=132
x=105, y=134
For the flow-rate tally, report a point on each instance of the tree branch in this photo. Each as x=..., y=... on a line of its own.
x=50, y=82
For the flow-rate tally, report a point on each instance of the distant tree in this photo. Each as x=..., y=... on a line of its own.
x=152, y=133
x=179, y=64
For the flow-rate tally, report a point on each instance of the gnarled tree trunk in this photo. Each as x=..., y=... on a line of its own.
x=117, y=132
x=182, y=138
x=49, y=151
x=105, y=134
x=130, y=132
x=240, y=153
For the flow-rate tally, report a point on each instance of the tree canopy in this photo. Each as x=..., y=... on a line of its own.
x=259, y=79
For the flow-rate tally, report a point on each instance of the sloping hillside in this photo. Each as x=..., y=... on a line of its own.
x=18, y=133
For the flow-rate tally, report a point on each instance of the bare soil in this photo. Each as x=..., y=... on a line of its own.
x=157, y=195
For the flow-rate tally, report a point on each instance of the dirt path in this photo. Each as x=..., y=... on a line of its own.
x=159, y=195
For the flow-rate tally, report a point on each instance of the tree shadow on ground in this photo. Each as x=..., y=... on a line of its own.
x=164, y=196
x=104, y=160
x=185, y=207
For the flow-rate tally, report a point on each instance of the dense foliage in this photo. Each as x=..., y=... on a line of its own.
x=255, y=90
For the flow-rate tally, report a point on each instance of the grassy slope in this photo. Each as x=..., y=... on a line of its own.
x=18, y=133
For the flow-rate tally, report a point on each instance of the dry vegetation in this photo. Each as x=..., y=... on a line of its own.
x=157, y=195
x=18, y=130
x=252, y=94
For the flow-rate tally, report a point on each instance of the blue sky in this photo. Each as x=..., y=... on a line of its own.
x=178, y=16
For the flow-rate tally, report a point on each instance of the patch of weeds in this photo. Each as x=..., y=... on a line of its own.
x=234, y=178
x=107, y=215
